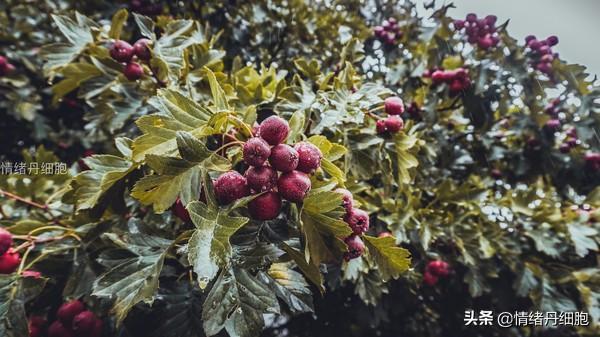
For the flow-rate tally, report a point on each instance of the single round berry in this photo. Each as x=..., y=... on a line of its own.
x=309, y=157
x=394, y=105
x=490, y=20
x=36, y=325
x=3, y=62
x=529, y=38
x=9, y=261
x=142, y=50
x=265, y=207
x=133, y=71
x=347, y=198
x=356, y=247
x=459, y=24
x=438, y=268
x=552, y=40
x=97, y=330
x=471, y=17
x=84, y=323
x=256, y=151
x=179, y=211
x=553, y=125
x=385, y=235
x=261, y=179
x=394, y=124
x=284, y=158
x=564, y=148
x=496, y=174
x=358, y=220
x=293, y=186
x=485, y=42
x=534, y=44
x=6, y=240
x=57, y=329
x=274, y=130
x=438, y=76
x=69, y=310
x=121, y=51
x=544, y=67
x=456, y=86
x=429, y=279
x=231, y=186
x=380, y=126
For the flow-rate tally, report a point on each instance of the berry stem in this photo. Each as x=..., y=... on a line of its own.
x=372, y=115
x=23, y=200
x=241, y=123
x=222, y=148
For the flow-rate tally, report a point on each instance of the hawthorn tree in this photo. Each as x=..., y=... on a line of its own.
x=290, y=169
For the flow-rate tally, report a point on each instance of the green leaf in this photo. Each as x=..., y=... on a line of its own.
x=218, y=95
x=405, y=160
x=146, y=25
x=390, y=260
x=13, y=320
x=583, y=238
x=118, y=21
x=291, y=287
x=237, y=302
x=74, y=74
x=177, y=312
x=78, y=33
x=134, y=279
x=331, y=152
x=209, y=246
x=309, y=270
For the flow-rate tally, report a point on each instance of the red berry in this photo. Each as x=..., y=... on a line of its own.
x=3, y=62
x=544, y=67
x=358, y=220
x=133, y=71
x=456, y=86
x=564, y=148
x=121, y=51
x=36, y=325
x=378, y=30
x=394, y=124
x=552, y=40
x=261, y=179
x=544, y=50
x=534, y=44
x=485, y=42
x=274, y=130
x=471, y=17
x=265, y=207
x=231, y=186
x=553, y=125
x=309, y=157
x=256, y=151
x=6, y=240
x=429, y=279
x=9, y=261
x=385, y=235
x=356, y=247
x=84, y=323
x=347, y=198
x=57, y=329
x=293, y=186
x=496, y=174
x=529, y=38
x=141, y=49
x=438, y=76
x=490, y=20
x=380, y=126
x=284, y=158
x=459, y=24
x=394, y=105
x=68, y=310
x=438, y=268
x=97, y=330
x=592, y=160
x=180, y=211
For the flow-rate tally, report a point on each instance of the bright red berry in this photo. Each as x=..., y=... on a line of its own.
x=133, y=71
x=380, y=126
x=57, y=329
x=69, y=310
x=9, y=261
x=37, y=325
x=256, y=151
x=261, y=179
x=142, y=50
x=180, y=211
x=438, y=268
x=438, y=76
x=284, y=158
x=553, y=125
x=265, y=207
x=347, y=198
x=274, y=130
x=356, y=247
x=121, y=51
x=6, y=240
x=309, y=157
x=394, y=124
x=231, y=186
x=459, y=24
x=429, y=279
x=294, y=186
x=394, y=105
x=84, y=323
x=358, y=220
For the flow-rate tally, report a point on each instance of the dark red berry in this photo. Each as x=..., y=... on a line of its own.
x=121, y=51
x=57, y=329
x=142, y=50
x=347, y=198
x=97, y=330
x=284, y=158
x=37, y=326
x=69, y=310
x=358, y=220
x=471, y=17
x=293, y=186
x=429, y=279
x=180, y=211
x=564, y=148
x=592, y=160
x=261, y=179
x=438, y=76
x=552, y=40
x=356, y=247
x=490, y=20
x=309, y=157
x=496, y=174
x=438, y=268
x=265, y=207
x=256, y=151
x=133, y=71
x=394, y=124
x=394, y=105
x=274, y=130
x=380, y=126
x=231, y=186
x=485, y=42
x=529, y=38
x=6, y=240
x=459, y=24
x=84, y=323
x=9, y=261
x=553, y=125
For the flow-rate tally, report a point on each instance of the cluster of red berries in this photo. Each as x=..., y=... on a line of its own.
x=72, y=320
x=9, y=258
x=458, y=79
x=434, y=271
x=121, y=51
x=592, y=160
x=540, y=52
x=479, y=31
x=394, y=107
x=5, y=66
x=389, y=32
x=358, y=221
